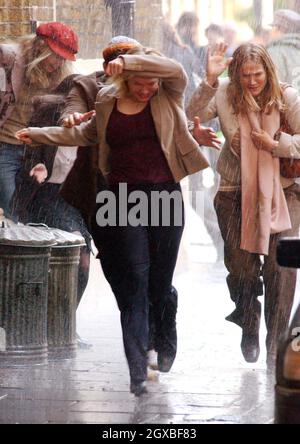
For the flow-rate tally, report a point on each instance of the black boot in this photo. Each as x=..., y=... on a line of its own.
x=250, y=346
x=138, y=388
x=167, y=335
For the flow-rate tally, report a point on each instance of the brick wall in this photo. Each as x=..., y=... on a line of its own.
x=147, y=22
x=16, y=16
x=89, y=18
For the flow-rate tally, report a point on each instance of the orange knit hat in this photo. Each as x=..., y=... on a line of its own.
x=117, y=46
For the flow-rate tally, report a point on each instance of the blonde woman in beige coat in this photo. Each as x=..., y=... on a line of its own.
x=255, y=205
x=145, y=144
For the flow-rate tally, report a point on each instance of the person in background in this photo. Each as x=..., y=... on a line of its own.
x=148, y=154
x=188, y=28
x=214, y=34
x=45, y=169
x=174, y=48
x=230, y=34
x=32, y=66
x=284, y=48
x=197, y=184
x=255, y=205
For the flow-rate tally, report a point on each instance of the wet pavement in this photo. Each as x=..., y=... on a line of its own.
x=209, y=382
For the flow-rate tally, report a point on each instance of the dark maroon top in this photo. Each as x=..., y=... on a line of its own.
x=136, y=155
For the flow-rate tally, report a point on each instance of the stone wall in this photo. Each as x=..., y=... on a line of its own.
x=89, y=18
x=148, y=16
x=16, y=16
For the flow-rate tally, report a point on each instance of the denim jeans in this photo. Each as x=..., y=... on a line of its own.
x=11, y=160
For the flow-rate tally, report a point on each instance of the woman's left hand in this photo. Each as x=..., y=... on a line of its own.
x=205, y=136
x=263, y=140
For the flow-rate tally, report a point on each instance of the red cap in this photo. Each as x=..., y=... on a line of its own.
x=60, y=38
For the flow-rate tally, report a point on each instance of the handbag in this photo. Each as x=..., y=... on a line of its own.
x=289, y=168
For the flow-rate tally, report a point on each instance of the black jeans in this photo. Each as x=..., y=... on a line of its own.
x=139, y=262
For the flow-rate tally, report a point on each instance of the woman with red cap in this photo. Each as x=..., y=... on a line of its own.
x=32, y=66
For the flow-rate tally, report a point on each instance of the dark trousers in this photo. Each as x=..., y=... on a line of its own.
x=139, y=262
x=249, y=278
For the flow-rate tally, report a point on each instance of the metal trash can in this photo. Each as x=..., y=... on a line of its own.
x=62, y=294
x=24, y=264
x=287, y=388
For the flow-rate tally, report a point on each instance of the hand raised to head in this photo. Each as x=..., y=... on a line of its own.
x=114, y=67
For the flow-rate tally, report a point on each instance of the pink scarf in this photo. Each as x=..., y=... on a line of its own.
x=264, y=208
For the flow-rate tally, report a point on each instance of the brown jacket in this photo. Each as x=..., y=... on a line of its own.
x=181, y=150
x=85, y=179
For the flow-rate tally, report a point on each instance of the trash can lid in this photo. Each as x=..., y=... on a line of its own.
x=64, y=238
x=25, y=236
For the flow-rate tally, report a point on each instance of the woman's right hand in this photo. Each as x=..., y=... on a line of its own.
x=23, y=135
x=39, y=172
x=114, y=67
x=77, y=118
x=216, y=63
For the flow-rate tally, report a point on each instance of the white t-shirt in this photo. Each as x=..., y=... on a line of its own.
x=63, y=162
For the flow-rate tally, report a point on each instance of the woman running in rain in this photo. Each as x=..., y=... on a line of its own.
x=144, y=144
x=255, y=205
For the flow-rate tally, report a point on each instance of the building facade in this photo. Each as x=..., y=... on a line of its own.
x=95, y=24
x=91, y=19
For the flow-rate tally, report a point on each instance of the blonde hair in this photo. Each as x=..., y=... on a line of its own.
x=35, y=50
x=120, y=81
x=241, y=99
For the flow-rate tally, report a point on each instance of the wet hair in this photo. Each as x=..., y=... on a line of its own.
x=240, y=99
x=35, y=50
x=120, y=81
x=187, y=19
x=214, y=28
x=171, y=36
x=186, y=23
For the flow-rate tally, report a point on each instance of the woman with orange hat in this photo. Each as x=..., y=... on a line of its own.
x=34, y=65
